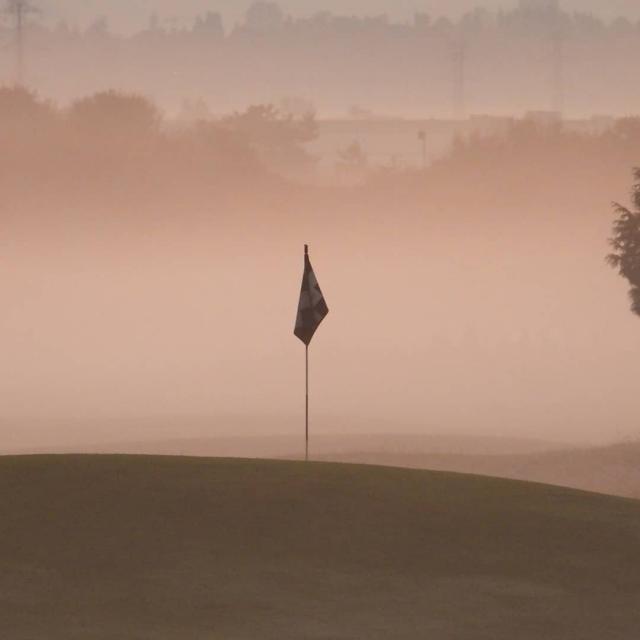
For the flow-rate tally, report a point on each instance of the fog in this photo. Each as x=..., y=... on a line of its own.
x=339, y=65
x=134, y=14
x=151, y=257
x=509, y=327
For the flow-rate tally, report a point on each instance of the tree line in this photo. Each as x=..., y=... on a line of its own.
x=114, y=147
x=339, y=62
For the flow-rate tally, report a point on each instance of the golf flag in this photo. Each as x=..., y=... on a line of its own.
x=312, y=309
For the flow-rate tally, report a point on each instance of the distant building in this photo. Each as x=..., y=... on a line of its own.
x=539, y=5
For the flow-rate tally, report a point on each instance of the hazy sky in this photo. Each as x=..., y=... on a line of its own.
x=477, y=320
x=127, y=14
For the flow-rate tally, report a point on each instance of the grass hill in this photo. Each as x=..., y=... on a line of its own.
x=153, y=548
x=613, y=469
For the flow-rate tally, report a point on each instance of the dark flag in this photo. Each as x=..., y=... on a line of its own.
x=312, y=309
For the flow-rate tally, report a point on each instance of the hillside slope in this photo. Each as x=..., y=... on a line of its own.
x=614, y=469
x=181, y=548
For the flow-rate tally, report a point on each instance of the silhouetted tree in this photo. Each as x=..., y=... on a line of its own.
x=113, y=150
x=19, y=105
x=353, y=157
x=210, y=25
x=99, y=28
x=352, y=162
x=626, y=244
x=264, y=17
x=277, y=138
x=112, y=113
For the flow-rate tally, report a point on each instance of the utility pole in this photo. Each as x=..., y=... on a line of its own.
x=19, y=9
x=459, y=78
x=557, y=71
x=422, y=136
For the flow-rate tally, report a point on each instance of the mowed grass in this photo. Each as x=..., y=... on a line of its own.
x=116, y=547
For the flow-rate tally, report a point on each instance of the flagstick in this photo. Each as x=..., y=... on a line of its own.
x=306, y=457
